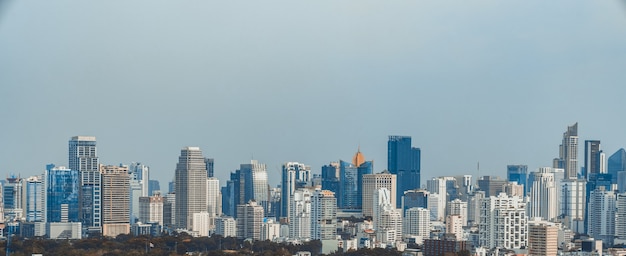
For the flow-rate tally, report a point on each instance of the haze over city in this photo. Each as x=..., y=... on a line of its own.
x=494, y=82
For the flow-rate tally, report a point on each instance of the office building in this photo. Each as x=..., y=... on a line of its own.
x=190, y=186
x=592, y=158
x=115, y=200
x=403, y=160
x=210, y=167
x=492, y=185
x=323, y=215
x=513, y=189
x=371, y=183
x=330, y=177
x=214, y=200
x=249, y=219
x=436, y=207
x=573, y=202
x=445, y=246
x=351, y=181
x=417, y=222
x=415, y=198
x=294, y=175
x=151, y=209
x=519, y=174
x=35, y=201
x=140, y=173
x=542, y=237
x=458, y=208
x=568, y=153
x=620, y=218
x=616, y=164
x=300, y=214
x=543, y=195
x=473, y=208
x=503, y=222
x=153, y=185
x=601, y=216
x=255, y=183
x=62, y=193
x=83, y=158
x=13, y=197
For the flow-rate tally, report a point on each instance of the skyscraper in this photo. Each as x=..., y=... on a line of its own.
x=543, y=195
x=387, y=218
x=542, y=238
x=573, y=203
x=83, y=158
x=351, y=183
x=214, y=200
x=300, y=214
x=601, y=216
x=13, y=196
x=592, y=158
x=518, y=173
x=415, y=198
x=323, y=215
x=371, y=184
x=330, y=177
x=210, y=166
x=62, y=194
x=616, y=164
x=403, y=161
x=568, y=153
x=190, y=186
x=249, y=219
x=151, y=209
x=35, y=199
x=255, y=179
x=417, y=222
x=503, y=222
x=115, y=200
x=295, y=175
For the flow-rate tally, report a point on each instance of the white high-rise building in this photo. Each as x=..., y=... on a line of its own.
x=417, y=222
x=473, y=208
x=249, y=219
x=201, y=223
x=295, y=175
x=135, y=193
x=543, y=201
x=323, y=215
x=226, y=226
x=151, y=209
x=141, y=173
x=437, y=210
x=454, y=225
x=214, y=200
x=568, y=153
x=387, y=218
x=601, y=219
x=371, y=183
x=439, y=186
x=191, y=196
x=458, y=207
x=503, y=222
x=270, y=230
x=573, y=201
x=300, y=214
x=620, y=217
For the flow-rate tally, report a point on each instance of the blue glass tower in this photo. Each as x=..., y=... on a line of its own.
x=330, y=177
x=351, y=184
x=518, y=173
x=403, y=161
x=616, y=163
x=62, y=193
x=596, y=180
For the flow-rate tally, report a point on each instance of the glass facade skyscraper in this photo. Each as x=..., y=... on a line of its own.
x=518, y=173
x=351, y=183
x=403, y=161
x=62, y=194
x=83, y=157
x=592, y=158
x=294, y=175
x=616, y=164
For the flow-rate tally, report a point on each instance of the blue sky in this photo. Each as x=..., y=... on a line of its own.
x=495, y=82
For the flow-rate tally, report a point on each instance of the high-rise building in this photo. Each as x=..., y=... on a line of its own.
x=190, y=186
x=201, y=223
x=136, y=192
x=233, y=193
x=436, y=207
x=330, y=177
x=492, y=185
x=443, y=187
x=371, y=184
x=151, y=209
x=13, y=197
x=417, y=222
x=616, y=164
x=415, y=198
x=542, y=238
x=620, y=217
x=210, y=167
x=454, y=226
x=323, y=215
x=601, y=224
x=351, y=181
x=458, y=208
x=300, y=214
x=592, y=158
x=83, y=157
x=511, y=188
x=249, y=219
x=403, y=160
x=295, y=175
x=214, y=200
x=115, y=200
x=595, y=180
x=34, y=208
x=255, y=179
x=473, y=208
x=226, y=226
x=387, y=218
x=503, y=222
x=543, y=195
x=573, y=203
x=568, y=153
x=141, y=173
x=62, y=194
x=519, y=174
x=153, y=185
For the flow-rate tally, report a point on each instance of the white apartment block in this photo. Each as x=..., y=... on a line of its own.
x=503, y=222
x=300, y=214
x=458, y=207
x=323, y=215
x=417, y=222
x=543, y=195
x=226, y=226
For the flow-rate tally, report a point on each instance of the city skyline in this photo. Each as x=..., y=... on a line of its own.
x=481, y=81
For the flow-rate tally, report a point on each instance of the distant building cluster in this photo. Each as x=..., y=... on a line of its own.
x=561, y=209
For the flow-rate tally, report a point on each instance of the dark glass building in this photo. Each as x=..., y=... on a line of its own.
x=62, y=194
x=403, y=161
x=592, y=158
x=616, y=163
x=518, y=173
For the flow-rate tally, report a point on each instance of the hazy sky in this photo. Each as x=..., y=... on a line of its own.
x=490, y=81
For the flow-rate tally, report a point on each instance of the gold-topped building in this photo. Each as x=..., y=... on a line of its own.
x=358, y=158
